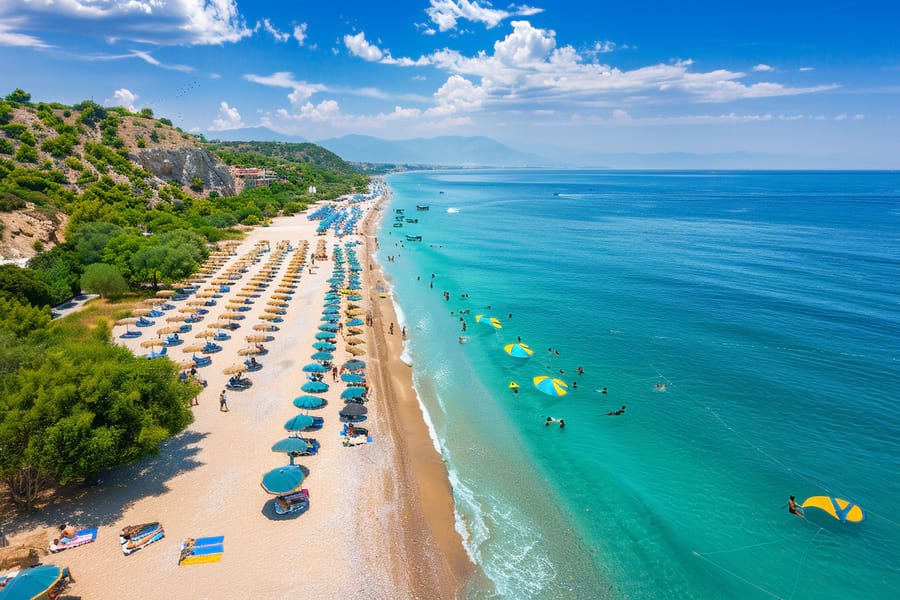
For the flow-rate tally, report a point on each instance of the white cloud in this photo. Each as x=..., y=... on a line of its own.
x=123, y=97
x=301, y=90
x=858, y=117
x=841, y=117
x=300, y=33
x=146, y=57
x=446, y=13
x=358, y=46
x=280, y=36
x=456, y=95
x=621, y=116
x=805, y=69
x=193, y=22
x=229, y=118
x=8, y=37
x=763, y=68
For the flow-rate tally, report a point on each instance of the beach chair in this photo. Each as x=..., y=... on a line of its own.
x=195, y=551
x=136, y=537
x=85, y=536
x=201, y=361
x=291, y=503
x=131, y=335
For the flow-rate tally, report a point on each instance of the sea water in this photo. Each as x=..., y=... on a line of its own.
x=766, y=304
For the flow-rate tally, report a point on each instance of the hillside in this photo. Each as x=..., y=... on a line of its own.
x=275, y=154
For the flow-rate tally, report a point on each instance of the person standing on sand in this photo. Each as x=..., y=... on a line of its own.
x=391, y=328
x=223, y=402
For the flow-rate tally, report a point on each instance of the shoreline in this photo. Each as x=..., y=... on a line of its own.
x=430, y=529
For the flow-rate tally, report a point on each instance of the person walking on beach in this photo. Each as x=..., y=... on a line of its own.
x=223, y=402
x=391, y=328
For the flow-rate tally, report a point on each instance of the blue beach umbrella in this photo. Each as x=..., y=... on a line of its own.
x=322, y=356
x=314, y=368
x=33, y=583
x=324, y=335
x=299, y=423
x=308, y=402
x=354, y=364
x=551, y=385
x=352, y=393
x=331, y=310
x=352, y=378
x=291, y=446
x=355, y=323
x=325, y=346
x=519, y=350
x=283, y=480
x=331, y=296
x=314, y=387
x=330, y=318
x=328, y=327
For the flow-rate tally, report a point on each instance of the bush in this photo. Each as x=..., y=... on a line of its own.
x=141, y=142
x=27, y=154
x=6, y=146
x=103, y=279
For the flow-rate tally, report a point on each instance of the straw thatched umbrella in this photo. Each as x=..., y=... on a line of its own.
x=140, y=312
x=355, y=350
x=268, y=317
x=257, y=338
x=219, y=325
x=263, y=327
x=354, y=341
x=250, y=350
x=167, y=330
x=152, y=343
x=206, y=334
x=234, y=369
x=153, y=301
x=193, y=348
x=127, y=321
x=187, y=309
x=165, y=293
x=230, y=315
x=176, y=318
x=272, y=310
x=185, y=365
x=196, y=303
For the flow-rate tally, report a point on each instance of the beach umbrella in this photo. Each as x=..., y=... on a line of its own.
x=290, y=445
x=331, y=310
x=187, y=310
x=355, y=297
x=519, y=350
x=324, y=335
x=265, y=327
x=250, y=350
x=551, y=385
x=234, y=369
x=331, y=296
x=325, y=346
x=184, y=366
x=127, y=321
x=354, y=364
x=355, y=323
x=353, y=410
x=282, y=480
x=167, y=330
x=257, y=338
x=354, y=331
x=206, y=334
x=299, y=423
x=328, y=327
x=153, y=301
x=193, y=348
x=196, y=303
x=314, y=368
x=140, y=312
x=486, y=320
x=231, y=315
x=273, y=311
x=219, y=325
x=151, y=343
x=268, y=317
x=308, y=402
x=35, y=582
x=352, y=393
x=314, y=387
x=175, y=318
x=353, y=341
x=165, y=293
x=322, y=356
x=355, y=312
x=352, y=378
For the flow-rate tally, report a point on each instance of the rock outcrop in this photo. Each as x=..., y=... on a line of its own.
x=183, y=164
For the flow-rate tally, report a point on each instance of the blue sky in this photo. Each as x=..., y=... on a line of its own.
x=798, y=78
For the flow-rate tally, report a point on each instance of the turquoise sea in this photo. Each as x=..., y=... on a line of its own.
x=768, y=303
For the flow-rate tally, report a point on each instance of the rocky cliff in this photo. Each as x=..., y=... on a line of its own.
x=183, y=164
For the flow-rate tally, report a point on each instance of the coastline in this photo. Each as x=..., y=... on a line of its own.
x=423, y=490
x=381, y=519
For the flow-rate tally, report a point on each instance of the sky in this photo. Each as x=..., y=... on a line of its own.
x=794, y=78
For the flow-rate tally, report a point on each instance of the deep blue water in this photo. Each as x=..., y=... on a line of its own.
x=768, y=305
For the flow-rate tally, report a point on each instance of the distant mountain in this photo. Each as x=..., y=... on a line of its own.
x=252, y=134
x=443, y=150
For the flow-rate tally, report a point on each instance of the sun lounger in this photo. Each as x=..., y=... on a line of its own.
x=289, y=503
x=135, y=537
x=85, y=536
x=196, y=551
x=131, y=335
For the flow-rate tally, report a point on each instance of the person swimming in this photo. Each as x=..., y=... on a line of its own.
x=794, y=508
x=616, y=413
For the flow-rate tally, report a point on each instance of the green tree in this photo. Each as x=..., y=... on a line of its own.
x=147, y=112
x=89, y=240
x=197, y=184
x=27, y=154
x=103, y=279
x=18, y=95
x=24, y=285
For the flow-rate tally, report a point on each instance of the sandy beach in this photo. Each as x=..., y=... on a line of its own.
x=380, y=522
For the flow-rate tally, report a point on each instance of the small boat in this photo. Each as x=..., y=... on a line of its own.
x=422, y=207
x=413, y=238
x=412, y=220
x=135, y=537
x=291, y=503
x=398, y=224
x=399, y=210
x=399, y=218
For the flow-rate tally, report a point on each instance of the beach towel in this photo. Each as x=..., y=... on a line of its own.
x=85, y=536
x=195, y=551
